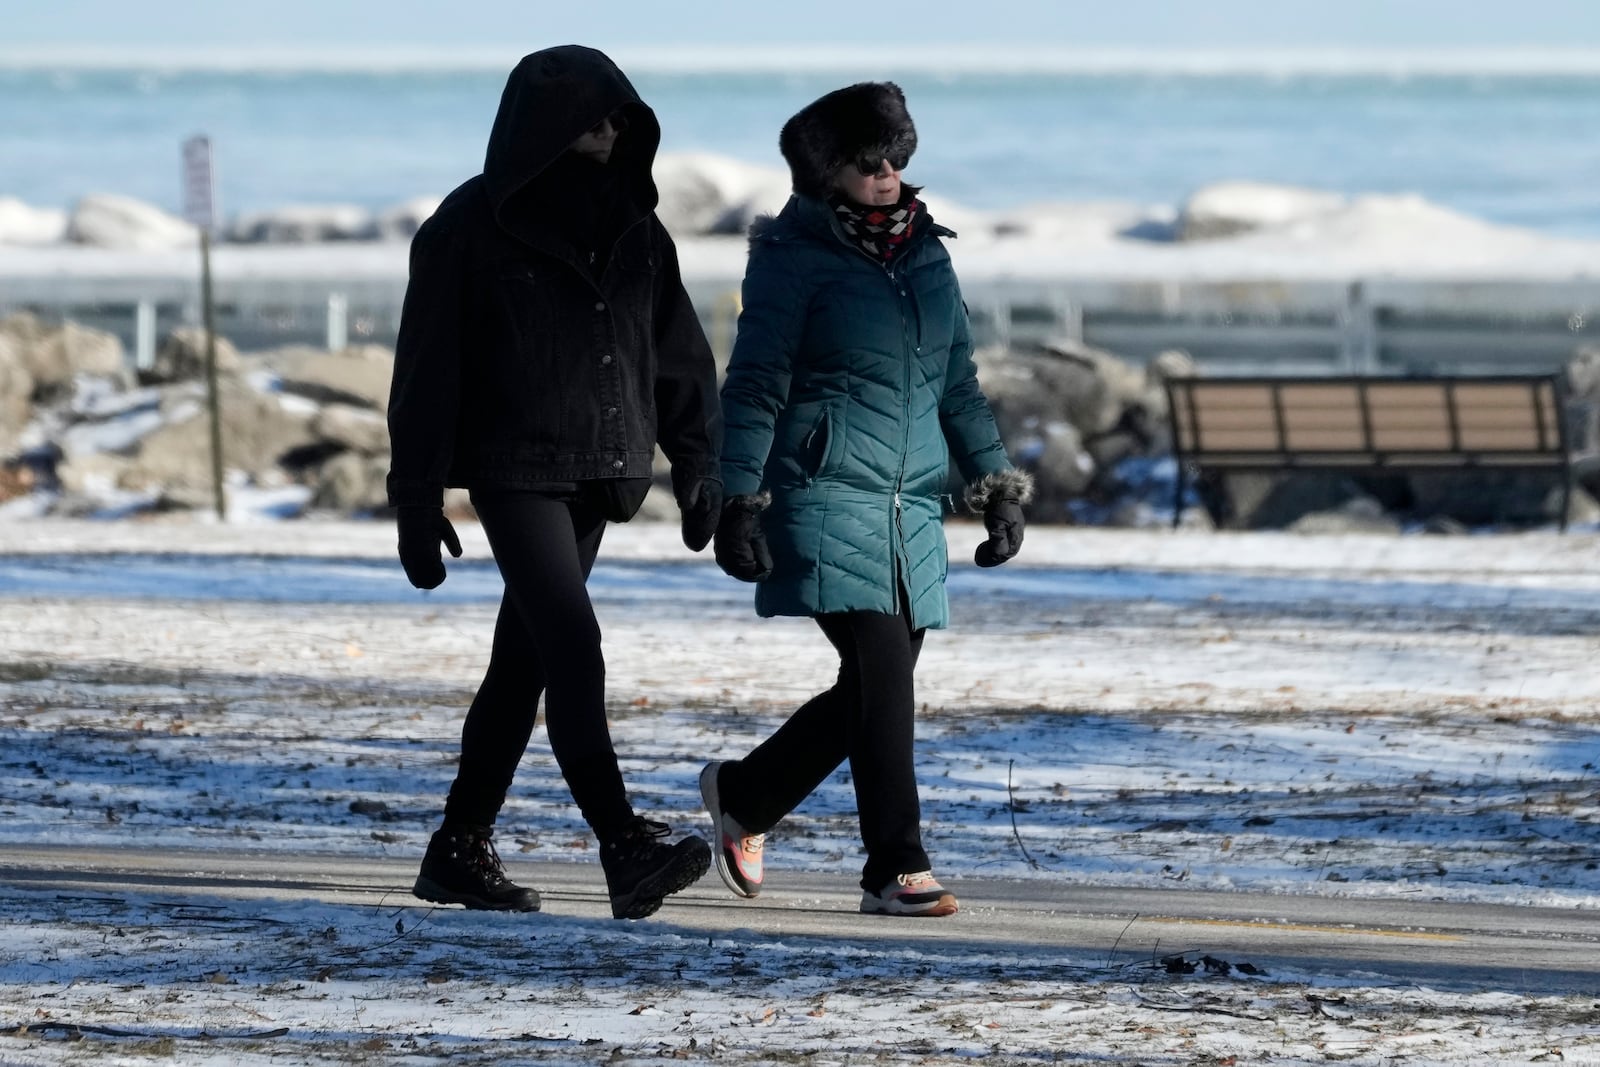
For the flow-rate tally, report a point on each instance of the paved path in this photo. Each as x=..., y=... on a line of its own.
x=1535, y=951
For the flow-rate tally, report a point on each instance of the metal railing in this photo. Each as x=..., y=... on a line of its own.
x=1377, y=327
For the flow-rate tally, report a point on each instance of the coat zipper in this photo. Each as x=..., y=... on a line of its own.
x=905, y=444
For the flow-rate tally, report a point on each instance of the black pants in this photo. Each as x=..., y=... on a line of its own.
x=546, y=640
x=867, y=718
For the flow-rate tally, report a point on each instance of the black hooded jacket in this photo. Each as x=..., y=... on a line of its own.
x=546, y=336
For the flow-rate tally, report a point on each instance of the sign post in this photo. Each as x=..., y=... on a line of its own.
x=199, y=207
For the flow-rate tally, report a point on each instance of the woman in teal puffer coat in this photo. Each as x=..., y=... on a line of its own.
x=850, y=390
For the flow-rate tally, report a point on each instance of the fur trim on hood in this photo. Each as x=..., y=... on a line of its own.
x=1013, y=484
x=868, y=118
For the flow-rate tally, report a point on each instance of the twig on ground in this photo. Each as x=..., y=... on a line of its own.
x=1113, y=953
x=1012, y=805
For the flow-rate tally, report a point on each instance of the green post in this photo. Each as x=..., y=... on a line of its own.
x=200, y=208
x=213, y=401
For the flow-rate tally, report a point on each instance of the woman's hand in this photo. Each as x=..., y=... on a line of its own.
x=421, y=530
x=700, y=504
x=1004, y=520
x=740, y=545
x=1000, y=497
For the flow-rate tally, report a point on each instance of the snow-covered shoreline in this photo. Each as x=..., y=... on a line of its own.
x=1229, y=231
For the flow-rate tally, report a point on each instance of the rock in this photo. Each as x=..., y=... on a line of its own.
x=1261, y=501
x=256, y=431
x=15, y=481
x=351, y=483
x=1062, y=469
x=1482, y=498
x=16, y=392
x=55, y=355
x=1229, y=208
x=1583, y=399
x=1358, y=515
x=356, y=429
x=91, y=474
x=357, y=375
x=182, y=357
x=302, y=224
x=105, y=220
x=400, y=222
x=703, y=194
x=21, y=224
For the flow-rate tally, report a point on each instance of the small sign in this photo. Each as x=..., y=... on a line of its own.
x=199, y=187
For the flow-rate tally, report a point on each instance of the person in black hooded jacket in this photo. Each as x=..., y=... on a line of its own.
x=546, y=347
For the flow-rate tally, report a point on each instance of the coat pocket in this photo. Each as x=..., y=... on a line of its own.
x=814, y=449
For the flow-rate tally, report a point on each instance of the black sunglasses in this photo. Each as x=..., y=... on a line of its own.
x=869, y=163
x=618, y=120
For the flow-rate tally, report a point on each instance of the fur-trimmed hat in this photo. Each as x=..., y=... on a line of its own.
x=868, y=119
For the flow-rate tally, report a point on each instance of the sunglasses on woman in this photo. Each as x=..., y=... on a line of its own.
x=869, y=163
x=618, y=120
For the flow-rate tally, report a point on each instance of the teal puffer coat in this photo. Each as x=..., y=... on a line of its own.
x=850, y=389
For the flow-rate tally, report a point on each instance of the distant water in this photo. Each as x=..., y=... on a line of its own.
x=1514, y=148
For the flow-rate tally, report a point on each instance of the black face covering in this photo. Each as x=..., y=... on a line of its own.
x=582, y=200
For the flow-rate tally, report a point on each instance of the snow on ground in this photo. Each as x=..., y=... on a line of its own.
x=1366, y=717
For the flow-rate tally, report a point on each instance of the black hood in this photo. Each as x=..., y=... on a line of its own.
x=551, y=98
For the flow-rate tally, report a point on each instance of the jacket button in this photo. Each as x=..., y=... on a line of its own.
x=616, y=464
x=599, y=305
x=605, y=360
x=610, y=412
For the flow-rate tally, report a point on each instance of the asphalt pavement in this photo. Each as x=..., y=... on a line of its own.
x=1438, y=944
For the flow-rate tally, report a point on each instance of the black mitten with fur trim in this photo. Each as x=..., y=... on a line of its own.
x=1000, y=497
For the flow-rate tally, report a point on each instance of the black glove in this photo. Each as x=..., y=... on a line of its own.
x=741, y=546
x=422, y=529
x=1003, y=519
x=700, y=501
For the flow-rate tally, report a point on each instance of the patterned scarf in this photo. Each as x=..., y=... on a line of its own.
x=880, y=232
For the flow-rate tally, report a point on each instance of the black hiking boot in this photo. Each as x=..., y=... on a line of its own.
x=462, y=867
x=642, y=870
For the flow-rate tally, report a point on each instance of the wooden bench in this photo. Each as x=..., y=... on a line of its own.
x=1369, y=424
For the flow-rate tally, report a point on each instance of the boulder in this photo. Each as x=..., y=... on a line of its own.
x=16, y=392
x=1583, y=399
x=1229, y=208
x=702, y=193
x=22, y=224
x=356, y=429
x=105, y=220
x=358, y=375
x=182, y=357
x=351, y=483
x=1260, y=501
x=94, y=473
x=256, y=431
x=55, y=355
x=302, y=224
x=1484, y=498
x=1359, y=515
x=400, y=222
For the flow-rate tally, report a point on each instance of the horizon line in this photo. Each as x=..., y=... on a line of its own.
x=937, y=60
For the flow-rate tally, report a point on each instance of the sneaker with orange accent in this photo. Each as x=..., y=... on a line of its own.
x=910, y=894
x=738, y=852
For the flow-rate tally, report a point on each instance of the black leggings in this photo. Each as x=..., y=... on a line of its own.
x=546, y=640
x=867, y=717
